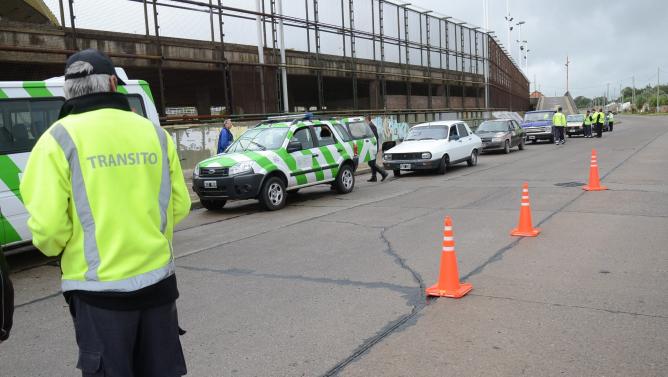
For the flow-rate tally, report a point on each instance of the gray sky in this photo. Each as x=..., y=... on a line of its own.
x=606, y=41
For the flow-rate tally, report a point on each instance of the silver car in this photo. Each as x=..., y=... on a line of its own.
x=501, y=134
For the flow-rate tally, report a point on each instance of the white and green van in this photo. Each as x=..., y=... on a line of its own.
x=27, y=109
x=284, y=154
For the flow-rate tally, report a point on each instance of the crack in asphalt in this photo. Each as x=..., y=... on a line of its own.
x=404, y=290
x=634, y=314
x=497, y=256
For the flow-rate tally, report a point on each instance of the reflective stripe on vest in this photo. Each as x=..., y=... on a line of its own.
x=91, y=252
x=124, y=285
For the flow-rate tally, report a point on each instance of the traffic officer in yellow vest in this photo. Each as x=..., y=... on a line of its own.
x=586, y=125
x=559, y=124
x=599, y=118
x=611, y=119
x=104, y=189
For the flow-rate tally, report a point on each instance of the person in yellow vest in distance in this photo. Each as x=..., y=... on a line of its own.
x=104, y=189
x=599, y=118
x=559, y=124
x=611, y=120
x=586, y=125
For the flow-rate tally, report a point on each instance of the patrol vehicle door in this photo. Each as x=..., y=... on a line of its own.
x=300, y=148
x=329, y=154
x=363, y=137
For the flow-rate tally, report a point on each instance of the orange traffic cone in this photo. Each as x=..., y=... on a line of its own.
x=525, y=228
x=594, y=181
x=448, y=279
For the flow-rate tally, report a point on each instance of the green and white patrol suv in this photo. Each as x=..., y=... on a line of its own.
x=27, y=109
x=284, y=154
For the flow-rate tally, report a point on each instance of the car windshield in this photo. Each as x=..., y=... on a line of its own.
x=259, y=139
x=575, y=118
x=493, y=126
x=535, y=117
x=427, y=133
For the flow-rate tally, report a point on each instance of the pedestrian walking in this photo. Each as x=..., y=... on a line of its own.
x=372, y=163
x=586, y=125
x=611, y=120
x=559, y=123
x=6, y=299
x=599, y=117
x=225, y=138
x=104, y=189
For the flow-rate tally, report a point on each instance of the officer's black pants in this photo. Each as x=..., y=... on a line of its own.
x=599, y=129
x=133, y=343
x=559, y=134
x=610, y=126
x=586, y=130
x=376, y=169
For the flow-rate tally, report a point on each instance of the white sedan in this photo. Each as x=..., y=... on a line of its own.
x=434, y=146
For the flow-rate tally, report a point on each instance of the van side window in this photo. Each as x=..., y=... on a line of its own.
x=303, y=135
x=136, y=104
x=23, y=121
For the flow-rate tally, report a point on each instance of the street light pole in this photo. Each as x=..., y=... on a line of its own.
x=567, y=63
x=657, y=88
x=519, y=44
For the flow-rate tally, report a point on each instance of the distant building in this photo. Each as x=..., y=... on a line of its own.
x=535, y=94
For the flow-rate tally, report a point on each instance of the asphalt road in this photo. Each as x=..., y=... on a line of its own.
x=333, y=284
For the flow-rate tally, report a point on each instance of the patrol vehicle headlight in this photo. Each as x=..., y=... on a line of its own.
x=426, y=156
x=196, y=171
x=240, y=168
x=387, y=157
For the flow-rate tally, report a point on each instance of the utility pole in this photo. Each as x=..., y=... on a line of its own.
x=657, y=88
x=633, y=96
x=567, y=63
x=519, y=43
x=607, y=94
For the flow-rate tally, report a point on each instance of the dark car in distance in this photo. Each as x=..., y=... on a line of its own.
x=501, y=134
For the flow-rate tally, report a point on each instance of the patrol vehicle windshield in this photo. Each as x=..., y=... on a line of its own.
x=259, y=139
x=427, y=133
x=575, y=118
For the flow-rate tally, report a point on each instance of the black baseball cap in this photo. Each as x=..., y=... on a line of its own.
x=100, y=62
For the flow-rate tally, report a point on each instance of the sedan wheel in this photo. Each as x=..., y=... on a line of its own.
x=443, y=167
x=473, y=159
x=506, y=147
x=521, y=146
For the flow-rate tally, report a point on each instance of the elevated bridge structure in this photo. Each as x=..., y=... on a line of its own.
x=201, y=54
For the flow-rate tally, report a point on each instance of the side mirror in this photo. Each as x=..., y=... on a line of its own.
x=454, y=137
x=401, y=139
x=294, y=146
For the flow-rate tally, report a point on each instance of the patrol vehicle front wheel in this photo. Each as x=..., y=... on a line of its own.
x=345, y=181
x=273, y=195
x=213, y=205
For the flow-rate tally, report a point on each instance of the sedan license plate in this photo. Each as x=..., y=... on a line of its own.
x=405, y=166
x=210, y=184
x=531, y=137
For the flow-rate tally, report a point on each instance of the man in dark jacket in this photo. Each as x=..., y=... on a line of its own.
x=372, y=163
x=6, y=299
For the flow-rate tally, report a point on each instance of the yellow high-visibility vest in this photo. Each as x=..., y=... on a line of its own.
x=104, y=189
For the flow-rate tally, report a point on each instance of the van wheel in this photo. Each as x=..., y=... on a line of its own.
x=345, y=180
x=396, y=172
x=213, y=204
x=272, y=194
x=473, y=159
x=443, y=166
